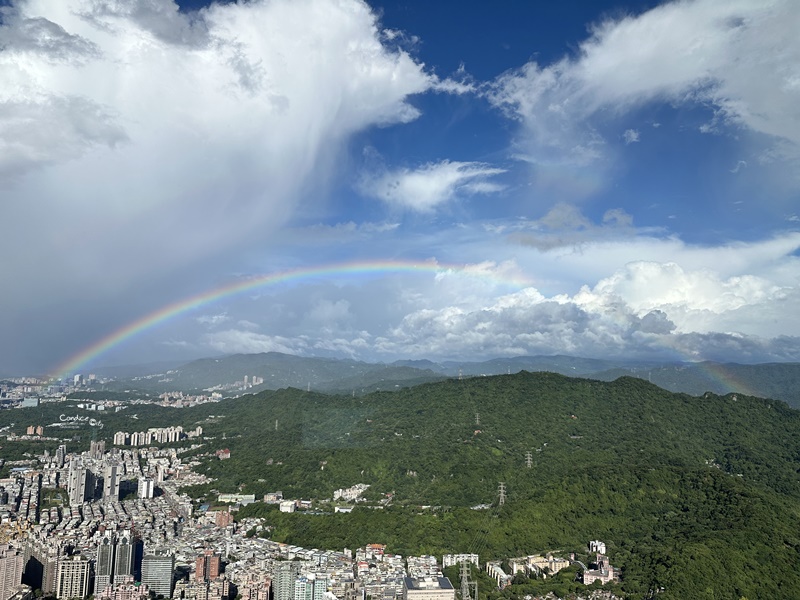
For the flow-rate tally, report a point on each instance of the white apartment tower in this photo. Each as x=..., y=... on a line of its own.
x=72, y=579
x=11, y=566
x=146, y=488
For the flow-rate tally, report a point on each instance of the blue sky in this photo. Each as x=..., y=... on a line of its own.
x=636, y=165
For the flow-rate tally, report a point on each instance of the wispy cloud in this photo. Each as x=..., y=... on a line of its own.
x=213, y=320
x=739, y=166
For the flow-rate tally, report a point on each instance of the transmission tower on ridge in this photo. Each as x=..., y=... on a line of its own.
x=502, y=491
x=465, y=580
x=477, y=418
x=528, y=459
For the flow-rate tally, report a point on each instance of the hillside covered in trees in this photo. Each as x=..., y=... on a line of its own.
x=699, y=495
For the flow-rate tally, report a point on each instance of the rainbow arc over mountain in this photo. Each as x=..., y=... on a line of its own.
x=330, y=271
x=358, y=268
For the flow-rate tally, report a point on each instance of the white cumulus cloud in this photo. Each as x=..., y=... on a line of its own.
x=740, y=57
x=427, y=187
x=138, y=142
x=630, y=136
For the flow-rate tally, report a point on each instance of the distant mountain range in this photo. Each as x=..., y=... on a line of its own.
x=780, y=381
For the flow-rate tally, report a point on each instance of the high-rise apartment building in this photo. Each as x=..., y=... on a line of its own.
x=115, y=556
x=207, y=566
x=72, y=579
x=123, y=559
x=41, y=564
x=61, y=455
x=11, y=566
x=111, y=483
x=104, y=567
x=283, y=583
x=80, y=484
x=97, y=449
x=157, y=572
x=146, y=488
x=310, y=587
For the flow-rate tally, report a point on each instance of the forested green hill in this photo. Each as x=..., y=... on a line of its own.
x=698, y=495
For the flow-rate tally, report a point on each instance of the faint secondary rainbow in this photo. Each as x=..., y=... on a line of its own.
x=175, y=309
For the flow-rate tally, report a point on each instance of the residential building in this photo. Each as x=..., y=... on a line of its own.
x=80, y=484
x=310, y=587
x=72, y=579
x=604, y=572
x=283, y=582
x=146, y=488
x=449, y=560
x=124, y=589
x=104, y=566
x=123, y=555
x=11, y=567
x=111, y=478
x=429, y=588
x=207, y=566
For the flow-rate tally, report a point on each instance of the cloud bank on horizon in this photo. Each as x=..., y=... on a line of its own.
x=646, y=182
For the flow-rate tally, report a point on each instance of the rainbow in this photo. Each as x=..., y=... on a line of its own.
x=148, y=321
x=360, y=268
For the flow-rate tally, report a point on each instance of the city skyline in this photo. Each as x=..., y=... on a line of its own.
x=616, y=179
